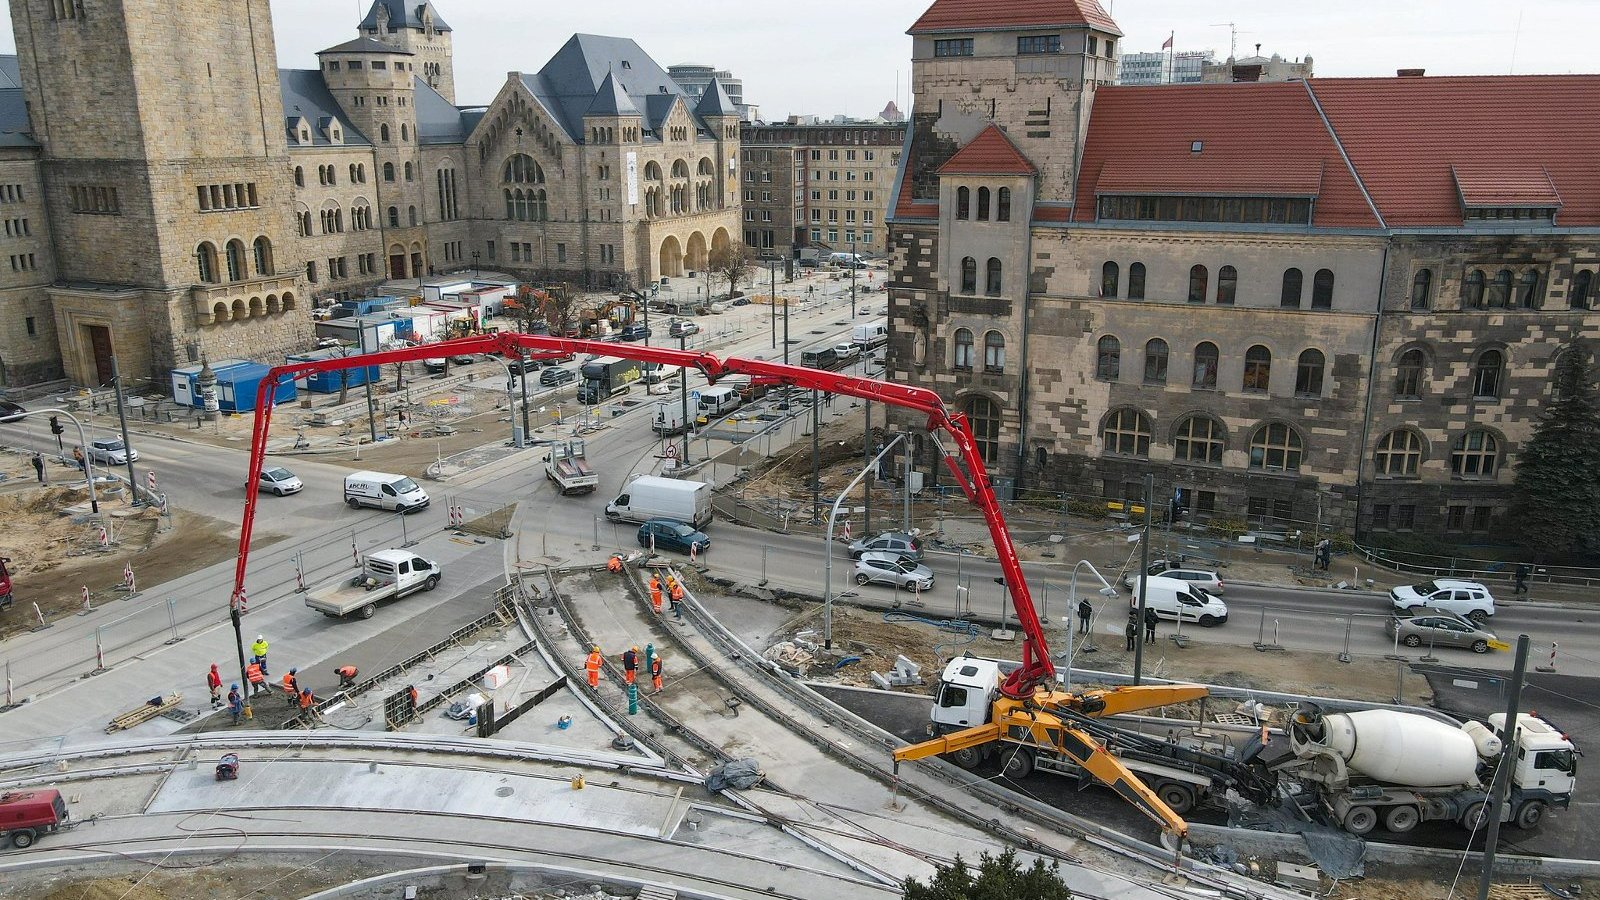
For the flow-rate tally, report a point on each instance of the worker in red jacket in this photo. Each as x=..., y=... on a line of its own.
x=214, y=682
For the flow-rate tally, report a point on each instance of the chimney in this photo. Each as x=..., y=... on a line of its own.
x=1410, y=73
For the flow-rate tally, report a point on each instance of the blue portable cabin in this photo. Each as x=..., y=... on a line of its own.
x=236, y=388
x=361, y=306
x=328, y=382
x=186, y=381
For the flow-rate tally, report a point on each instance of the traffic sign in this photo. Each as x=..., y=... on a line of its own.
x=672, y=451
x=694, y=396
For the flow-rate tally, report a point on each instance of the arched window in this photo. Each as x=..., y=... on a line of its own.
x=1136, y=281
x=963, y=203
x=1422, y=289
x=263, y=255
x=1476, y=454
x=383, y=133
x=1486, y=375
x=983, y=204
x=1399, y=454
x=394, y=217
x=1199, y=439
x=1227, y=285
x=305, y=223
x=522, y=169
x=1198, y=278
x=388, y=171
x=410, y=172
x=1308, y=374
x=205, y=257
x=1127, y=433
x=299, y=176
x=511, y=205
x=1528, y=290
x=1582, y=284
x=1155, y=361
x=236, y=267
x=983, y=417
x=963, y=350
x=1205, y=365
x=969, y=275
x=1002, y=205
x=994, y=353
x=1276, y=448
x=992, y=281
x=1109, y=272
x=1472, y=290
x=353, y=173
x=411, y=215
x=1408, y=375
x=1109, y=364
x=405, y=132
x=1500, y=290
x=1293, y=286
x=1257, y=369
x=541, y=206
x=1322, y=289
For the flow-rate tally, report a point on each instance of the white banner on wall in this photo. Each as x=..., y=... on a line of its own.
x=633, y=179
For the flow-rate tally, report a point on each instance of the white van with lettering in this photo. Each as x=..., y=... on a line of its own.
x=383, y=491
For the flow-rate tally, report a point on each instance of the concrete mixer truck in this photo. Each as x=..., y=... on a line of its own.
x=1399, y=769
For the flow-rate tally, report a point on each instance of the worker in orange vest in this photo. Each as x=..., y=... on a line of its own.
x=347, y=676
x=630, y=664
x=614, y=564
x=677, y=598
x=655, y=592
x=655, y=673
x=291, y=686
x=592, y=666
x=258, y=681
x=306, y=700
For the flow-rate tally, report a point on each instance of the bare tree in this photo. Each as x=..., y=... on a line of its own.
x=556, y=308
x=734, y=263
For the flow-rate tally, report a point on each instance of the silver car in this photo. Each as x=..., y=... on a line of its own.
x=1441, y=629
x=278, y=480
x=112, y=452
x=893, y=569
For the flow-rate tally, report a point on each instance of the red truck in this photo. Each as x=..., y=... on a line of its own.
x=5, y=582
x=24, y=815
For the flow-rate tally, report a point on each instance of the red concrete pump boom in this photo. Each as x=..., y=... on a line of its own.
x=1036, y=668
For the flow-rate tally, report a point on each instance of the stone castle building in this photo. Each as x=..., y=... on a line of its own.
x=1330, y=302
x=170, y=194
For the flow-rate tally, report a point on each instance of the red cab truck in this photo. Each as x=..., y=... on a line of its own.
x=5, y=582
x=24, y=815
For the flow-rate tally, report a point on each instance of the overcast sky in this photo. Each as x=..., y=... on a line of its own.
x=842, y=56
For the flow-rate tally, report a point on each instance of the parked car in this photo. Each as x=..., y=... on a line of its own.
x=278, y=480
x=1205, y=578
x=434, y=365
x=742, y=301
x=807, y=263
x=670, y=534
x=11, y=412
x=463, y=359
x=895, y=542
x=846, y=352
x=516, y=366
x=1464, y=598
x=112, y=452
x=893, y=569
x=1441, y=629
x=634, y=333
x=683, y=328
x=556, y=377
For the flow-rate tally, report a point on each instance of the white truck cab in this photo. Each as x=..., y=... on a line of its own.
x=967, y=690
x=1546, y=760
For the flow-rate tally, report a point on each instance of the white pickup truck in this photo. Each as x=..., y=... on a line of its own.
x=567, y=467
x=384, y=574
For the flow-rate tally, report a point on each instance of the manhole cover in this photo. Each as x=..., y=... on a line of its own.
x=503, y=791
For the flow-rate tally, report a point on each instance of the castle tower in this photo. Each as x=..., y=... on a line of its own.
x=414, y=27
x=163, y=157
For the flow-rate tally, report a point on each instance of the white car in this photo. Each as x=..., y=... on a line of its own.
x=112, y=452
x=893, y=569
x=846, y=352
x=1464, y=598
x=278, y=480
x=1204, y=578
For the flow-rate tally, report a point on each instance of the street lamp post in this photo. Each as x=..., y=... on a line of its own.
x=827, y=568
x=1106, y=590
x=852, y=281
x=83, y=442
x=683, y=390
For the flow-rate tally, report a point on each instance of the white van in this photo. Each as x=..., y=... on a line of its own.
x=1174, y=598
x=383, y=491
x=870, y=336
x=847, y=260
x=719, y=401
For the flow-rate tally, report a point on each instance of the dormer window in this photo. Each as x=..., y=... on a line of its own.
x=305, y=136
x=626, y=64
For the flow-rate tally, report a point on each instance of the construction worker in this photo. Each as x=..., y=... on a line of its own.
x=614, y=564
x=411, y=697
x=655, y=593
x=291, y=685
x=235, y=704
x=655, y=673
x=347, y=676
x=1132, y=631
x=306, y=700
x=214, y=682
x=677, y=597
x=257, y=678
x=630, y=664
x=259, y=650
x=591, y=666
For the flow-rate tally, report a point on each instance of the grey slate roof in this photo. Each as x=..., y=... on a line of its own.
x=10, y=72
x=568, y=83
x=716, y=102
x=406, y=13
x=438, y=121
x=14, y=129
x=611, y=100
x=365, y=45
x=306, y=94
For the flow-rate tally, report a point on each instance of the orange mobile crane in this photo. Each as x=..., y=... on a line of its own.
x=1026, y=707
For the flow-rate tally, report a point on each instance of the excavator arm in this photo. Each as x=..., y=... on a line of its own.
x=976, y=736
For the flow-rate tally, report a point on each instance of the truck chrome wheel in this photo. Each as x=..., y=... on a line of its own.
x=23, y=839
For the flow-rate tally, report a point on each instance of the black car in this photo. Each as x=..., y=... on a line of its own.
x=742, y=301
x=634, y=333
x=516, y=366
x=556, y=377
x=11, y=412
x=670, y=534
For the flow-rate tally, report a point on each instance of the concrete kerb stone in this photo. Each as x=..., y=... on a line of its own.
x=435, y=876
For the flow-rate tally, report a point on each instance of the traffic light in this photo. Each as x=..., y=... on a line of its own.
x=55, y=425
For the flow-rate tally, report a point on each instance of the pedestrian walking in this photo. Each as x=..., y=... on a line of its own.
x=677, y=598
x=77, y=455
x=259, y=650
x=1085, y=613
x=256, y=678
x=235, y=704
x=38, y=466
x=347, y=676
x=1324, y=554
x=1150, y=620
x=1524, y=572
x=1132, y=631
x=630, y=664
x=591, y=666
x=655, y=593
x=655, y=673
x=214, y=683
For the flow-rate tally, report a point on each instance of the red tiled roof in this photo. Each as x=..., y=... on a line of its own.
x=1404, y=135
x=990, y=153
x=969, y=15
x=1257, y=139
x=1507, y=185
